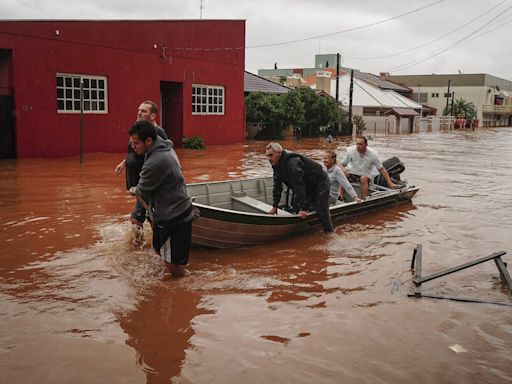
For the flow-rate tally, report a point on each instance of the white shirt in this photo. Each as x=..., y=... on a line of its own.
x=362, y=164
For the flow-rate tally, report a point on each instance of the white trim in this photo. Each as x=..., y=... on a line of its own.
x=209, y=100
x=95, y=93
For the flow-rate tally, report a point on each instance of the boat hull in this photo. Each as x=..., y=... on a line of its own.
x=228, y=228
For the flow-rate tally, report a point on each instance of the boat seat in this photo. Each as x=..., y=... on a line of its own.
x=258, y=205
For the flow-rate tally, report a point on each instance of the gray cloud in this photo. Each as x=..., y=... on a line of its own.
x=273, y=21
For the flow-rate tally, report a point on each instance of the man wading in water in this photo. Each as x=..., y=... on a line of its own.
x=163, y=185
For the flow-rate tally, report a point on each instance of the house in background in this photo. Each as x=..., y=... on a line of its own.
x=492, y=96
x=255, y=83
x=193, y=69
x=384, y=105
x=382, y=110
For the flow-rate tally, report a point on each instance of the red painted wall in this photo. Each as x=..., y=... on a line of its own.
x=124, y=52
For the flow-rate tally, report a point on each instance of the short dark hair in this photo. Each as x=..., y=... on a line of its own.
x=362, y=137
x=144, y=129
x=153, y=108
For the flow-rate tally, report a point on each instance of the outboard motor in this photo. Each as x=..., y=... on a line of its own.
x=394, y=167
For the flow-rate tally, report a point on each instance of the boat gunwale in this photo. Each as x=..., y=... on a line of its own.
x=389, y=193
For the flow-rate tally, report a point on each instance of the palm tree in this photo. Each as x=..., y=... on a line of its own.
x=463, y=108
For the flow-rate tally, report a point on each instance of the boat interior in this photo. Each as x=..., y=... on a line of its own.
x=251, y=195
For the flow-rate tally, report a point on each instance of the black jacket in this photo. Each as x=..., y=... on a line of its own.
x=300, y=174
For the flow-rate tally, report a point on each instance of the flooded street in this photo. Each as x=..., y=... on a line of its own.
x=80, y=303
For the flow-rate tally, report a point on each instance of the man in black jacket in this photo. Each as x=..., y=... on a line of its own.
x=307, y=179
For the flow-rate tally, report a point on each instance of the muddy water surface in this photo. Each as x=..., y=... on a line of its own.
x=80, y=303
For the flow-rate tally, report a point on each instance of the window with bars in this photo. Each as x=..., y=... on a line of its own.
x=207, y=100
x=94, y=93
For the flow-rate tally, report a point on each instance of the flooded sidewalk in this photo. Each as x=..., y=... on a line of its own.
x=80, y=302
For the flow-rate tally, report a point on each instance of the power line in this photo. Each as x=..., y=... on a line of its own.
x=431, y=41
x=430, y=56
x=33, y=8
x=346, y=30
x=488, y=31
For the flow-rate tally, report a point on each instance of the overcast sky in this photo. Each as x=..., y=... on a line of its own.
x=447, y=36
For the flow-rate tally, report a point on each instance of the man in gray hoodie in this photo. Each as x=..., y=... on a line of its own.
x=162, y=184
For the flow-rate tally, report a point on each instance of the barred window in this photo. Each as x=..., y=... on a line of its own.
x=207, y=100
x=94, y=93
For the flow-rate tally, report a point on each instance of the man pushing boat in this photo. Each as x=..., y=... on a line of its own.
x=162, y=184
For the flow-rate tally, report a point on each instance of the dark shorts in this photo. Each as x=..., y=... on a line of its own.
x=172, y=239
x=354, y=178
x=176, y=247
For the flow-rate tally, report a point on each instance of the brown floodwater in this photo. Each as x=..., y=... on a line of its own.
x=80, y=303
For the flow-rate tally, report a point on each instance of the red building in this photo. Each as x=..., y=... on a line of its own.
x=193, y=69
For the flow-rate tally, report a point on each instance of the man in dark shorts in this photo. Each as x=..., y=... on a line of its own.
x=162, y=184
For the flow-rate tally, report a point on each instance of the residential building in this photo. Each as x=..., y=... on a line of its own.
x=383, y=104
x=194, y=69
x=492, y=96
x=255, y=83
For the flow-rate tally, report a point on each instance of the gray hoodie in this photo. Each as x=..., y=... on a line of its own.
x=162, y=184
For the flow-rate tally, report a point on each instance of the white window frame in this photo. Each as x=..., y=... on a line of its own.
x=68, y=93
x=208, y=99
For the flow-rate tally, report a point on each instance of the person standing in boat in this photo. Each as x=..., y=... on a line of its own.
x=133, y=162
x=363, y=160
x=337, y=179
x=162, y=184
x=307, y=180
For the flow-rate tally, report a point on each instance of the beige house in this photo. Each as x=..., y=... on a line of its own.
x=492, y=96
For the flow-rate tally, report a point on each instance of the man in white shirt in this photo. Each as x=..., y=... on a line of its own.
x=362, y=161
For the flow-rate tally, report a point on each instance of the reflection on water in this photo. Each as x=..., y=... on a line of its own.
x=81, y=302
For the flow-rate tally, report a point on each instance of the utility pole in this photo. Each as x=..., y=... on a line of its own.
x=447, y=96
x=81, y=121
x=350, y=124
x=337, y=77
x=338, y=86
x=201, y=6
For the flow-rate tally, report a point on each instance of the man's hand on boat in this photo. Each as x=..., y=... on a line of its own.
x=273, y=211
x=302, y=214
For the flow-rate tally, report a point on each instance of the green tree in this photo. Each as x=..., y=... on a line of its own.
x=301, y=108
x=294, y=109
x=461, y=107
x=267, y=110
x=358, y=121
x=319, y=111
